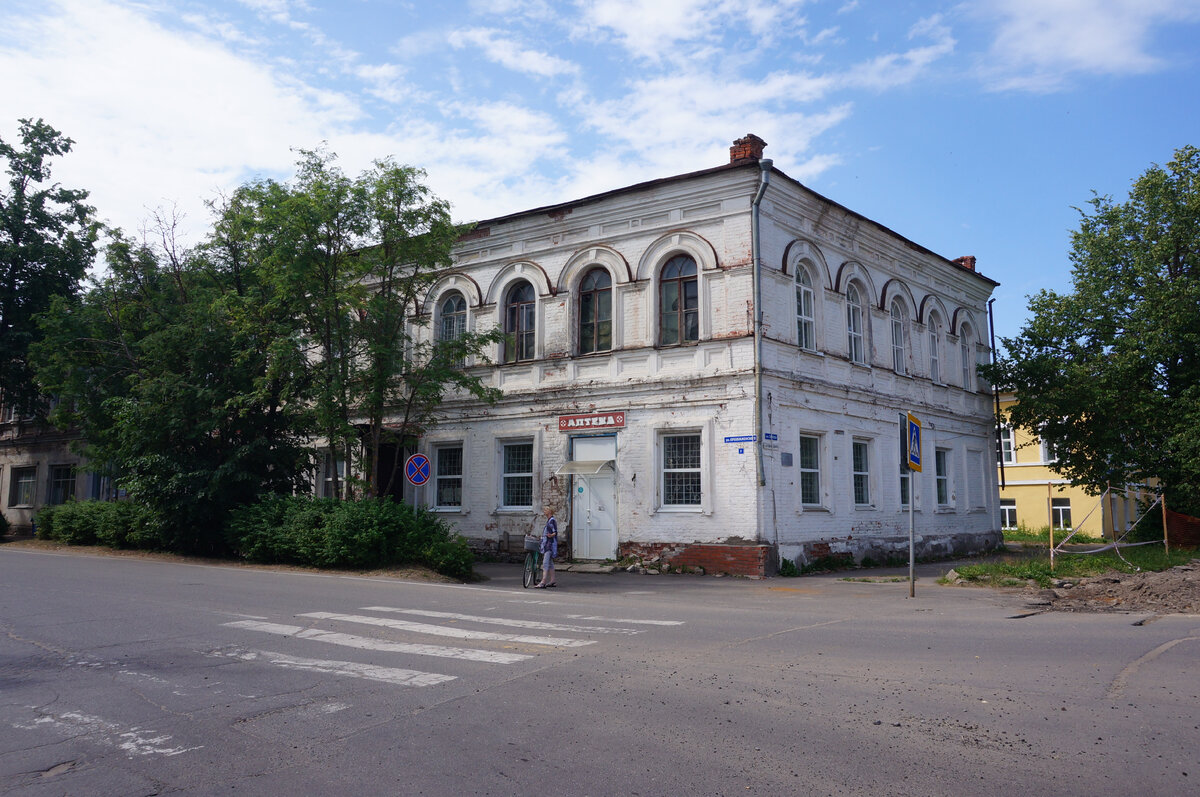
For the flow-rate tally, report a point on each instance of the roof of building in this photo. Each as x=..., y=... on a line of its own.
x=740, y=163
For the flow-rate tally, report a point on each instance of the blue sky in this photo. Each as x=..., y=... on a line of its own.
x=970, y=127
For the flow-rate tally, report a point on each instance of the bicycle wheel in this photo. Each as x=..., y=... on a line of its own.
x=529, y=577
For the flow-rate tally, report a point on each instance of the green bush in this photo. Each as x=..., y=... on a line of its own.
x=43, y=523
x=346, y=534
x=116, y=524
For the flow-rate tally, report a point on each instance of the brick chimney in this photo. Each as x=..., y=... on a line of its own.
x=748, y=148
x=966, y=261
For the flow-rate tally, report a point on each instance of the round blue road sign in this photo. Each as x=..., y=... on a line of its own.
x=416, y=469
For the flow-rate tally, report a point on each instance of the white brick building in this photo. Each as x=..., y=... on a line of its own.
x=699, y=439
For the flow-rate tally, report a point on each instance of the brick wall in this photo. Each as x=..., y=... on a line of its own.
x=735, y=560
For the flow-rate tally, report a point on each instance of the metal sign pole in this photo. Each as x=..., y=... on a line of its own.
x=906, y=459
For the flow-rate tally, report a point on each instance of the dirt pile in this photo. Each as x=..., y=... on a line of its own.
x=1174, y=591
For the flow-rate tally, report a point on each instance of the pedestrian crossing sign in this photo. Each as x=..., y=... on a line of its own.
x=914, y=442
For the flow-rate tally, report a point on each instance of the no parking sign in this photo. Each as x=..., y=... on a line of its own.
x=416, y=469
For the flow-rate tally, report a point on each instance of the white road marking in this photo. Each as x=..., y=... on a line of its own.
x=458, y=633
x=352, y=669
x=133, y=741
x=584, y=629
x=365, y=643
x=624, y=620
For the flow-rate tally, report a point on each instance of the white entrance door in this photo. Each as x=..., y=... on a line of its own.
x=593, y=501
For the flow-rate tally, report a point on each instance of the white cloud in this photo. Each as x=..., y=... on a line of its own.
x=898, y=69
x=653, y=31
x=158, y=116
x=501, y=50
x=1040, y=44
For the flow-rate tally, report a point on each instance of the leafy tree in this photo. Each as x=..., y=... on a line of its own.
x=1110, y=373
x=350, y=259
x=172, y=388
x=47, y=241
x=401, y=372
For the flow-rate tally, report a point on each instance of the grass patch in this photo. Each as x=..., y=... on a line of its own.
x=1042, y=535
x=1018, y=570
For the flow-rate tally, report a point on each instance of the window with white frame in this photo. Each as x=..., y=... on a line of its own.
x=1008, y=513
x=680, y=472
x=806, y=325
x=935, y=349
x=967, y=357
x=448, y=478
x=905, y=486
x=595, y=312
x=1049, y=451
x=517, y=475
x=1060, y=511
x=520, y=322
x=1008, y=450
x=62, y=484
x=854, y=325
x=22, y=488
x=899, y=336
x=333, y=466
x=679, y=302
x=941, y=465
x=453, y=317
x=810, y=470
x=861, y=462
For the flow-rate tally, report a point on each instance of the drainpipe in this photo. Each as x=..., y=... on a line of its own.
x=756, y=258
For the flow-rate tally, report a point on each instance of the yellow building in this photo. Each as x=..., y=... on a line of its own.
x=1033, y=495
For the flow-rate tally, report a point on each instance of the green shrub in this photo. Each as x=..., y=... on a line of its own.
x=346, y=534
x=43, y=523
x=788, y=569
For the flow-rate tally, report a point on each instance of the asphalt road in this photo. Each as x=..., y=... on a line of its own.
x=129, y=676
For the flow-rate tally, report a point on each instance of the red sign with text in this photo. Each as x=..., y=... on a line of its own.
x=595, y=420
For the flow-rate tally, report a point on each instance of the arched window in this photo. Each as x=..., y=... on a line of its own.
x=595, y=312
x=966, y=346
x=453, y=317
x=935, y=348
x=679, y=302
x=806, y=326
x=899, y=336
x=520, y=314
x=854, y=325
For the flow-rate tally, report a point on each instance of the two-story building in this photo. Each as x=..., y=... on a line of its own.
x=710, y=368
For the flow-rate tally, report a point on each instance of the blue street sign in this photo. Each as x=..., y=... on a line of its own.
x=743, y=438
x=416, y=469
x=914, y=443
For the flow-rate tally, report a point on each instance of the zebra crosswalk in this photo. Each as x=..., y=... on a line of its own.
x=406, y=635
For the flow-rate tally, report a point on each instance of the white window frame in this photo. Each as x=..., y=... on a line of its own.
x=899, y=337
x=966, y=349
x=1008, y=445
x=906, y=483
x=860, y=476
x=18, y=476
x=941, y=468
x=439, y=477
x=855, y=335
x=52, y=483
x=327, y=467
x=806, y=302
x=662, y=470
x=1049, y=454
x=505, y=474
x=935, y=356
x=1058, y=508
x=1008, y=514
x=815, y=470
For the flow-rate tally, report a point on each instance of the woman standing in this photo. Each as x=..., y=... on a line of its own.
x=549, y=548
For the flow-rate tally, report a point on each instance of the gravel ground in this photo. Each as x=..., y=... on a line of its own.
x=1174, y=591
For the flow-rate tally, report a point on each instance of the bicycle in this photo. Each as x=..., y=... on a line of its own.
x=533, y=562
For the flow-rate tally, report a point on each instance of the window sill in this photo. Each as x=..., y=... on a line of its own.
x=684, y=509
x=864, y=507
x=513, y=510
x=450, y=510
x=812, y=508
